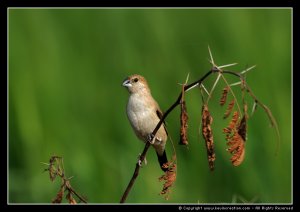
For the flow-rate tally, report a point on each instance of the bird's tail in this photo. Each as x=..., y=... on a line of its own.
x=162, y=159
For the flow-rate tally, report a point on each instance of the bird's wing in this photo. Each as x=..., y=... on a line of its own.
x=160, y=115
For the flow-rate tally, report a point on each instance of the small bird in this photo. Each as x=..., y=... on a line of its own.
x=144, y=114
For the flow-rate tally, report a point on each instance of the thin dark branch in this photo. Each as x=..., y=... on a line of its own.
x=66, y=182
x=136, y=173
x=76, y=194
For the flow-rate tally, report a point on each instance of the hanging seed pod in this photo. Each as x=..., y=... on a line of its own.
x=224, y=95
x=229, y=109
x=208, y=136
x=235, y=136
x=232, y=125
x=236, y=148
x=169, y=177
x=59, y=195
x=183, y=120
x=183, y=124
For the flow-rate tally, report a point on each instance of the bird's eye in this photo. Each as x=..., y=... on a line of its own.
x=135, y=79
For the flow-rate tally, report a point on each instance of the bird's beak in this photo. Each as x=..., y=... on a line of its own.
x=127, y=83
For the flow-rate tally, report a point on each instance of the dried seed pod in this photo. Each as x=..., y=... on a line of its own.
x=236, y=135
x=208, y=135
x=229, y=109
x=224, y=95
x=183, y=124
x=236, y=148
x=59, y=195
x=169, y=177
x=232, y=125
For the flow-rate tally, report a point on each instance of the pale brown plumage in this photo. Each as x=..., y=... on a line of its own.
x=144, y=114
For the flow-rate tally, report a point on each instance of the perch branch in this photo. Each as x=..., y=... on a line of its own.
x=136, y=173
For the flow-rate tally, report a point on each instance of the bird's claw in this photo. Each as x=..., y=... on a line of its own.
x=150, y=138
x=140, y=161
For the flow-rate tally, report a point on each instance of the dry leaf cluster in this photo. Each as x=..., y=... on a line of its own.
x=236, y=137
x=169, y=177
x=56, y=169
x=183, y=123
x=224, y=95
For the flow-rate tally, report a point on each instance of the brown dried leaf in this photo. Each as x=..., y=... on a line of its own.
x=232, y=125
x=236, y=135
x=52, y=173
x=54, y=167
x=183, y=124
x=229, y=109
x=52, y=170
x=237, y=149
x=224, y=95
x=59, y=195
x=208, y=136
x=70, y=198
x=169, y=177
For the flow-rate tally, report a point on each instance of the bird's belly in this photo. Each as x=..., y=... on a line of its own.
x=143, y=119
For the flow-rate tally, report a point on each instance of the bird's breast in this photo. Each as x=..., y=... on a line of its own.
x=142, y=116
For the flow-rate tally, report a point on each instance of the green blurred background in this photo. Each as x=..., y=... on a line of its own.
x=66, y=67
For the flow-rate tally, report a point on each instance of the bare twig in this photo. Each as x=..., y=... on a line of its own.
x=135, y=173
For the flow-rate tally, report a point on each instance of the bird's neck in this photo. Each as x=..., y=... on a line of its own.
x=142, y=91
x=141, y=100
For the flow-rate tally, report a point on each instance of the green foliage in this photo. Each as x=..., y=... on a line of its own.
x=65, y=71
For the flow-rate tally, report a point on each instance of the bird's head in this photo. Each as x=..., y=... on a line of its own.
x=136, y=83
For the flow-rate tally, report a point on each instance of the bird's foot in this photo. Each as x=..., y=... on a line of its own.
x=159, y=140
x=150, y=138
x=140, y=161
